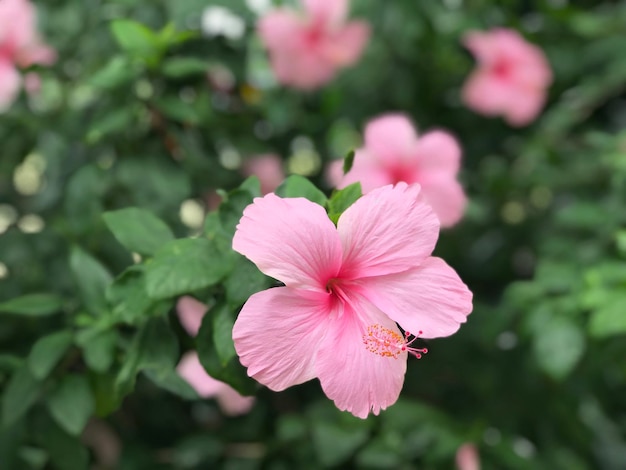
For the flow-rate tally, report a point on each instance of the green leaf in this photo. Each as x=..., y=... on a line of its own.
x=342, y=199
x=185, y=265
x=112, y=122
x=20, y=394
x=608, y=320
x=117, y=71
x=168, y=379
x=32, y=305
x=232, y=208
x=252, y=185
x=333, y=444
x=558, y=345
x=244, y=280
x=348, y=161
x=174, y=108
x=223, y=321
x=137, y=40
x=66, y=452
x=47, y=352
x=181, y=67
x=232, y=372
x=98, y=349
x=71, y=403
x=129, y=298
x=92, y=279
x=299, y=186
x=138, y=230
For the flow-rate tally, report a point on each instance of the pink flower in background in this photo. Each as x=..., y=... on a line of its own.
x=269, y=170
x=307, y=49
x=345, y=289
x=467, y=458
x=511, y=79
x=20, y=46
x=190, y=313
x=393, y=153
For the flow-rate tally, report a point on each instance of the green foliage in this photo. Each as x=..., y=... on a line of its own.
x=138, y=230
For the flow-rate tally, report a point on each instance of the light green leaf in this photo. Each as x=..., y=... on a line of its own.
x=128, y=297
x=116, y=72
x=47, y=352
x=178, y=110
x=342, y=199
x=71, y=404
x=32, y=305
x=185, y=265
x=136, y=39
x=92, y=279
x=138, y=230
x=299, y=186
x=99, y=349
x=558, y=345
x=181, y=67
x=609, y=320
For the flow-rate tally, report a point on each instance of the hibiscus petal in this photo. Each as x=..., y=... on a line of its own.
x=291, y=240
x=389, y=230
x=190, y=369
x=10, y=82
x=344, y=47
x=329, y=13
x=190, y=312
x=278, y=333
x=446, y=196
x=366, y=170
x=232, y=403
x=431, y=299
x=438, y=151
x=391, y=138
x=279, y=28
x=357, y=379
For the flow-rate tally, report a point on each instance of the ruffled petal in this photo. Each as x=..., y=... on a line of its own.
x=279, y=28
x=327, y=13
x=487, y=94
x=367, y=170
x=438, y=151
x=431, y=299
x=190, y=313
x=392, y=138
x=525, y=106
x=344, y=47
x=291, y=240
x=446, y=196
x=356, y=370
x=278, y=333
x=389, y=230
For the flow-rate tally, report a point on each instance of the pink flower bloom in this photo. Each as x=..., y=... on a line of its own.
x=20, y=46
x=511, y=79
x=190, y=313
x=230, y=402
x=467, y=458
x=345, y=289
x=307, y=49
x=269, y=170
x=393, y=153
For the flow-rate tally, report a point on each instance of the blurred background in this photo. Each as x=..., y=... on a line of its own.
x=170, y=105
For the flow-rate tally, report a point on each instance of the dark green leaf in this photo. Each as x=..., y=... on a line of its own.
x=244, y=280
x=183, y=266
x=342, y=199
x=66, y=452
x=92, y=279
x=181, y=67
x=20, y=394
x=333, y=444
x=47, y=352
x=71, y=403
x=138, y=230
x=299, y=186
x=32, y=305
x=223, y=321
x=99, y=349
x=174, y=108
x=115, y=121
x=128, y=297
x=118, y=71
x=558, y=345
x=168, y=379
x=348, y=161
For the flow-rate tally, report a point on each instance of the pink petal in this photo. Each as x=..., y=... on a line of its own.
x=344, y=47
x=278, y=333
x=190, y=369
x=467, y=457
x=269, y=170
x=10, y=82
x=391, y=138
x=482, y=46
x=446, y=196
x=190, y=313
x=328, y=13
x=356, y=379
x=487, y=94
x=389, y=230
x=438, y=151
x=279, y=28
x=291, y=240
x=524, y=107
x=431, y=298
x=232, y=403
x=367, y=170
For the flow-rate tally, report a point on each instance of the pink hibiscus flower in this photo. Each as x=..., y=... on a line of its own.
x=190, y=313
x=345, y=289
x=511, y=79
x=20, y=46
x=268, y=168
x=307, y=49
x=467, y=457
x=393, y=153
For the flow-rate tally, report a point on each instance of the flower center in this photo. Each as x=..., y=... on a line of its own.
x=387, y=343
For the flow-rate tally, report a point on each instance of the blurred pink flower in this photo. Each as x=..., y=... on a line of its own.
x=20, y=46
x=269, y=170
x=190, y=312
x=393, y=153
x=511, y=78
x=345, y=289
x=307, y=49
x=467, y=457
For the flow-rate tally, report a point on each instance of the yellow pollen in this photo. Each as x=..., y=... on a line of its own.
x=383, y=341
